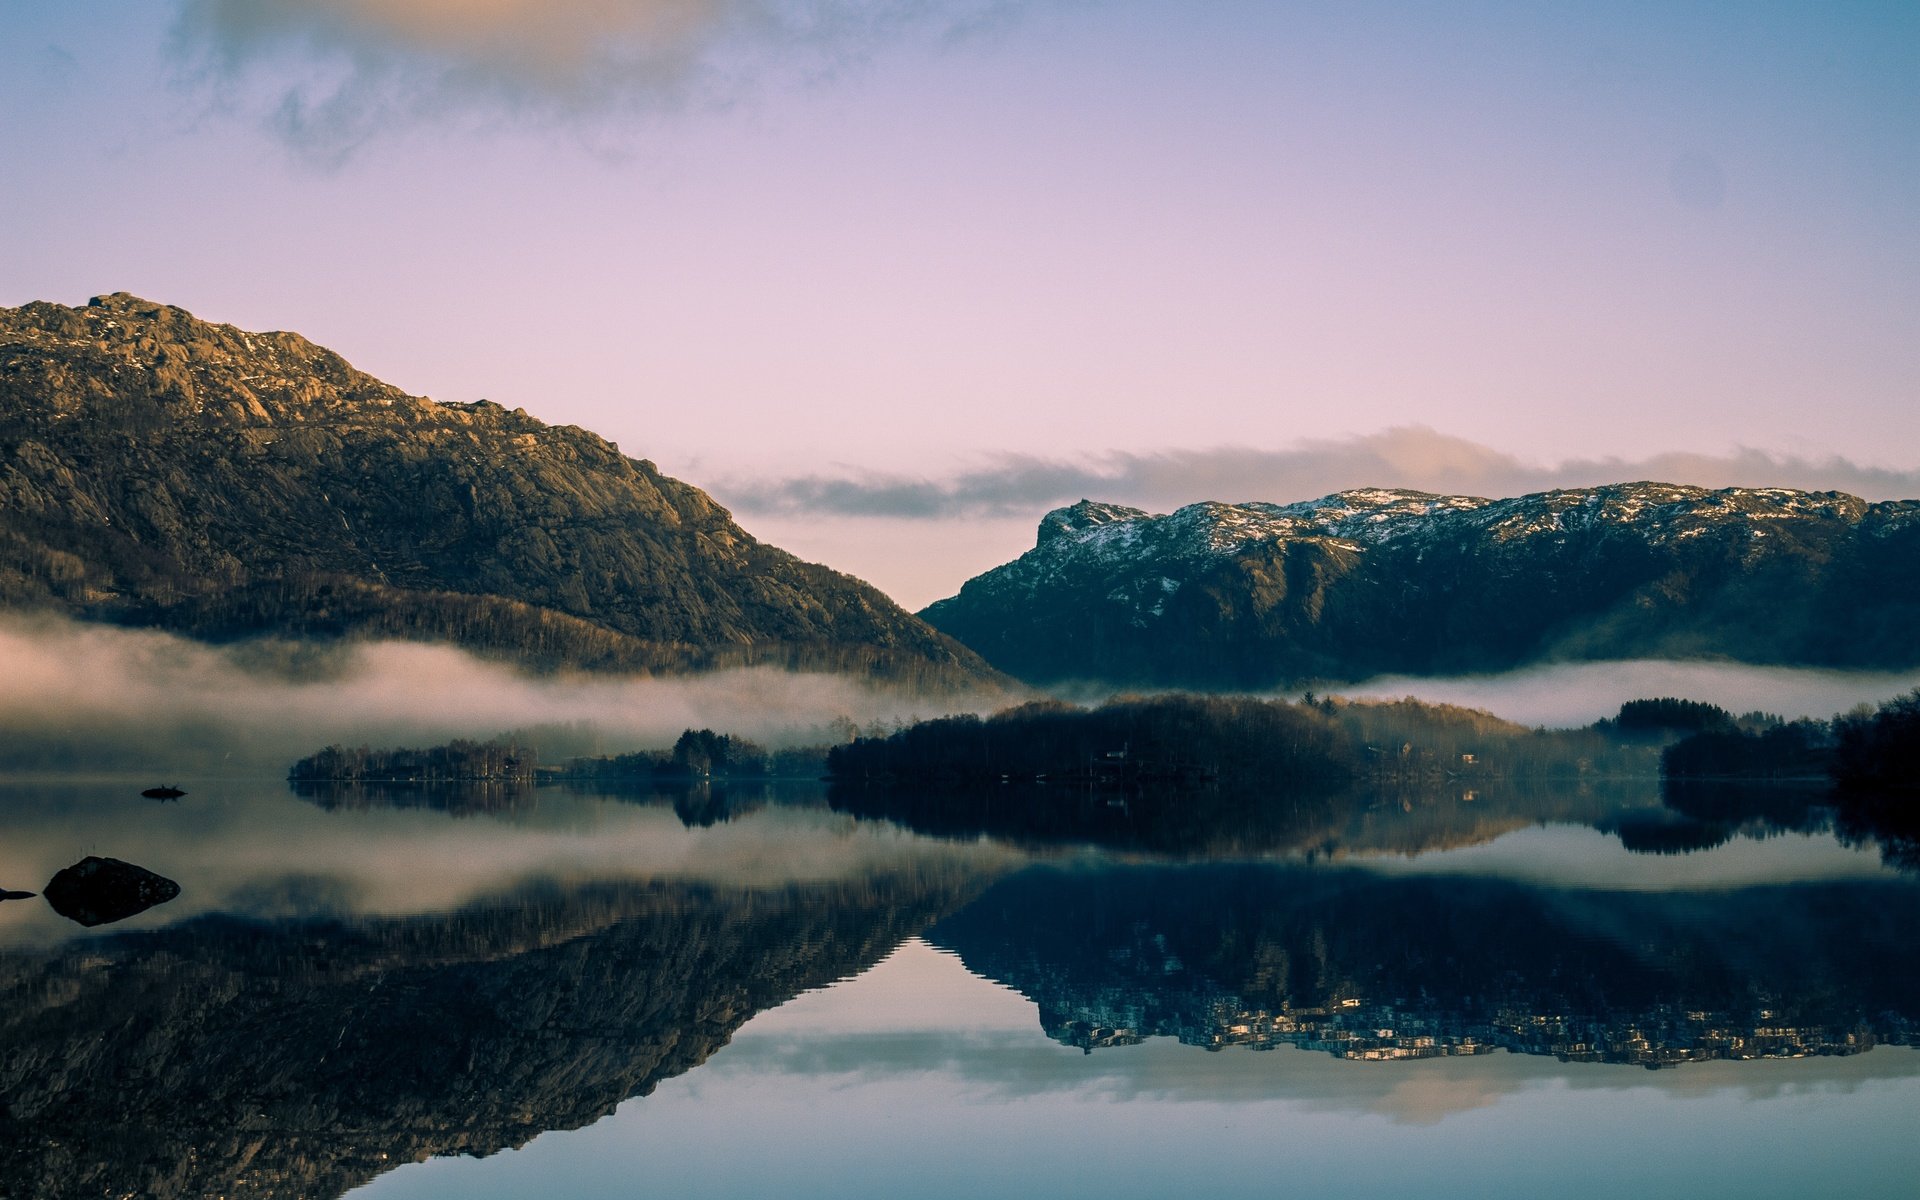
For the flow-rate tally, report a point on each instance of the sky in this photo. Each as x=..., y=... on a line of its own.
x=893, y=279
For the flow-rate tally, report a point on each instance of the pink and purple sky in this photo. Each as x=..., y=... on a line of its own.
x=892, y=279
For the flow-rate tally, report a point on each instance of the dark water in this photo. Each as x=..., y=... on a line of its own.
x=1563, y=991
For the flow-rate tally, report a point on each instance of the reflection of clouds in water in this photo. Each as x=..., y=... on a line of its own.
x=860, y=1032
x=1565, y=856
x=249, y=852
x=291, y=896
x=1003, y=1065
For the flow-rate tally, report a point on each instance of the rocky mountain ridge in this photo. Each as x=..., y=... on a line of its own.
x=160, y=470
x=1383, y=580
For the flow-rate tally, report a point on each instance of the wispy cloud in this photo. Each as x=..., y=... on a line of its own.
x=1408, y=457
x=329, y=74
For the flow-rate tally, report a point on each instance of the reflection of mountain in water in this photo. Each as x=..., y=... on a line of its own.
x=225, y=1057
x=1371, y=966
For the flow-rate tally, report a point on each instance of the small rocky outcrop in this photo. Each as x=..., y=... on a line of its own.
x=100, y=891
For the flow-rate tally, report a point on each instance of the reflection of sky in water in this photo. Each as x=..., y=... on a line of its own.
x=257, y=850
x=1576, y=856
x=919, y=1079
x=254, y=849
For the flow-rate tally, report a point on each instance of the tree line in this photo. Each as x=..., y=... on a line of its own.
x=1232, y=740
x=697, y=754
x=1873, y=749
x=458, y=761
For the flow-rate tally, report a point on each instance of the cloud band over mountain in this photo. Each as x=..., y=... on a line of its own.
x=1408, y=457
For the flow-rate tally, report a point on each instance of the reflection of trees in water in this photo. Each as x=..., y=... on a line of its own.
x=460, y=798
x=703, y=803
x=1199, y=821
x=306, y=1057
x=1380, y=966
x=697, y=802
x=1682, y=816
x=1890, y=821
x=1696, y=815
x=1871, y=757
x=224, y=1056
x=1674, y=817
x=1713, y=812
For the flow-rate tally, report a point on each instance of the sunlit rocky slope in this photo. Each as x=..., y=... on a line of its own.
x=160, y=470
x=1371, y=581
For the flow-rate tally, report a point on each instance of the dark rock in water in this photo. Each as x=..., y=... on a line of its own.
x=163, y=793
x=100, y=891
x=9, y=894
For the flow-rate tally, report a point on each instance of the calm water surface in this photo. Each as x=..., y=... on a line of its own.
x=1576, y=991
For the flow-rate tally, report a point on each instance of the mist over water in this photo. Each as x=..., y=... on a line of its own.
x=119, y=698
x=97, y=697
x=352, y=983
x=251, y=849
x=1566, y=695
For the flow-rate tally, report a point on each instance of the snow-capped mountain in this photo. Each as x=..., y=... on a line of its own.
x=1384, y=580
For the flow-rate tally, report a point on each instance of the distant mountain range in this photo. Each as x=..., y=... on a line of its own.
x=1379, y=581
x=162, y=471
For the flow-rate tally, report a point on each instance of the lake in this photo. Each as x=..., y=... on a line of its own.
x=1577, y=990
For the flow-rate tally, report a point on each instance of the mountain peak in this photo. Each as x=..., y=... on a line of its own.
x=127, y=302
x=1086, y=514
x=1391, y=581
x=166, y=471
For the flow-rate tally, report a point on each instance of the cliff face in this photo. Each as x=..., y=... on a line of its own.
x=1380, y=581
x=301, y=1059
x=161, y=470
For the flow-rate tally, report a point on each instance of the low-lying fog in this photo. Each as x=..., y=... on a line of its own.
x=100, y=698
x=86, y=696
x=1565, y=695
